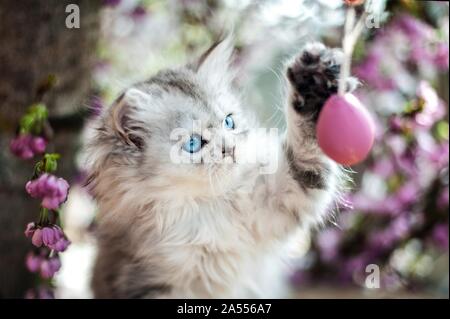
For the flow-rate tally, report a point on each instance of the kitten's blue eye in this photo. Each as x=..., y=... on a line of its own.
x=194, y=144
x=228, y=122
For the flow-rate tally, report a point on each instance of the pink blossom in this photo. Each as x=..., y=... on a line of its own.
x=51, y=236
x=387, y=237
x=33, y=262
x=442, y=201
x=40, y=293
x=415, y=29
x=420, y=53
x=49, y=267
x=46, y=294
x=352, y=266
x=396, y=124
x=299, y=278
x=111, y=3
x=26, y=146
x=20, y=147
x=370, y=70
x=440, y=236
x=433, y=108
x=390, y=280
x=408, y=193
x=406, y=163
x=328, y=242
x=138, y=12
x=54, y=238
x=60, y=245
x=29, y=231
x=441, y=56
x=51, y=189
x=38, y=145
x=439, y=155
x=383, y=167
x=37, y=238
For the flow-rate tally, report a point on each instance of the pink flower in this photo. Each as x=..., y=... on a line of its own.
x=49, y=267
x=328, y=242
x=442, y=201
x=40, y=293
x=26, y=146
x=415, y=29
x=60, y=245
x=408, y=193
x=352, y=266
x=370, y=70
x=111, y=3
x=29, y=231
x=38, y=145
x=51, y=236
x=383, y=167
x=33, y=262
x=439, y=155
x=20, y=147
x=138, y=12
x=55, y=263
x=60, y=242
x=51, y=189
x=441, y=56
x=46, y=271
x=440, y=236
x=433, y=109
x=396, y=123
x=299, y=278
x=387, y=237
x=46, y=294
x=37, y=238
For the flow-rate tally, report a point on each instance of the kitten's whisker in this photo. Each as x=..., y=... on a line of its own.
x=280, y=119
x=267, y=121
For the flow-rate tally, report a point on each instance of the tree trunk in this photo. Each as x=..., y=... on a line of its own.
x=36, y=43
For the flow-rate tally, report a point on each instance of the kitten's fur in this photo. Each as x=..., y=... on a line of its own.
x=206, y=230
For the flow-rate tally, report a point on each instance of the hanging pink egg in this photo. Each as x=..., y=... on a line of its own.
x=345, y=129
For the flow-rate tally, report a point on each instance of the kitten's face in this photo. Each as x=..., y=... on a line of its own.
x=184, y=126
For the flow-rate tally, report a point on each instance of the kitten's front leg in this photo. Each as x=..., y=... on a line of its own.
x=309, y=180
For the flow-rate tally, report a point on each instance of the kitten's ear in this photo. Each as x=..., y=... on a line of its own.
x=125, y=117
x=215, y=63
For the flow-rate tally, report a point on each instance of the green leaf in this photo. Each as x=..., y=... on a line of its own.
x=26, y=123
x=51, y=162
x=442, y=129
x=39, y=111
x=33, y=120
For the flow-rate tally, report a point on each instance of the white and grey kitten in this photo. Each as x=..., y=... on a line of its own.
x=202, y=229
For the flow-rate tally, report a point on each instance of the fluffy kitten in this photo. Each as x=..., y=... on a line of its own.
x=206, y=229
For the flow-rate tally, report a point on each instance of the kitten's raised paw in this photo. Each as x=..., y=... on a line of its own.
x=314, y=75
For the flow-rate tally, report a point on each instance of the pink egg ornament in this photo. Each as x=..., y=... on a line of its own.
x=345, y=129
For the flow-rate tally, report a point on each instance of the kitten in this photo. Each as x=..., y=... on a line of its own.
x=170, y=226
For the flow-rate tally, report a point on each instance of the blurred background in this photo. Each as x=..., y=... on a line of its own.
x=395, y=214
